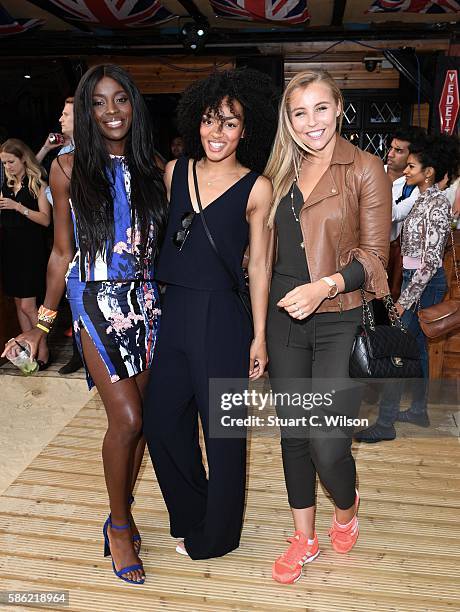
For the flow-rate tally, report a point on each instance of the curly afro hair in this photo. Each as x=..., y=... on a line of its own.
x=256, y=94
x=441, y=152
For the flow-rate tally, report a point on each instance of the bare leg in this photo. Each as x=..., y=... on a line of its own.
x=22, y=311
x=304, y=520
x=123, y=405
x=141, y=381
x=344, y=516
x=26, y=309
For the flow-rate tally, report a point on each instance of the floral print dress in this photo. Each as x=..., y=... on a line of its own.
x=114, y=299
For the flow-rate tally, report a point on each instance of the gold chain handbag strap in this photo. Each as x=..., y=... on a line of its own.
x=395, y=319
x=367, y=313
x=454, y=256
x=393, y=315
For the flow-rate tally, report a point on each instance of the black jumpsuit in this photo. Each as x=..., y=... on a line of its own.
x=204, y=334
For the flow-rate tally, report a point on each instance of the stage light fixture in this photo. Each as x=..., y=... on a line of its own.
x=193, y=35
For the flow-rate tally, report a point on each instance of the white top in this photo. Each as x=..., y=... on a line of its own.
x=400, y=211
x=451, y=191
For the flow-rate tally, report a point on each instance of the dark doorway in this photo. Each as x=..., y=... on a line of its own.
x=163, y=109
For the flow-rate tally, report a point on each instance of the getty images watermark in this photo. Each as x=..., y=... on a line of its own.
x=296, y=407
x=306, y=401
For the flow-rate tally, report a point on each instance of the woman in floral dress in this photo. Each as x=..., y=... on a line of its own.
x=424, y=235
x=109, y=215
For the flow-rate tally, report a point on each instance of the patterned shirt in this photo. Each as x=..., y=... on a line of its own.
x=125, y=262
x=424, y=235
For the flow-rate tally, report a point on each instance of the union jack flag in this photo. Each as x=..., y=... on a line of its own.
x=9, y=25
x=432, y=7
x=108, y=14
x=285, y=11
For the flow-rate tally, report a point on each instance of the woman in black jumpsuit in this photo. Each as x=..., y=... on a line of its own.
x=205, y=332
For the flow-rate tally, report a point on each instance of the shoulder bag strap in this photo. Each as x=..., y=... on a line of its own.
x=454, y=257
x=62, y=168
x=206, y=228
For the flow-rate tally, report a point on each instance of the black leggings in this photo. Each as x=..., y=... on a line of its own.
x=316, y=348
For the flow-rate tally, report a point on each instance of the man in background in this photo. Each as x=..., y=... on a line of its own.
x=404, y=197
x=66, y=121
x=177, y=147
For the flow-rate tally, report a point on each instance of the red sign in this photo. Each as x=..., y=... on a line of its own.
x=449, y=102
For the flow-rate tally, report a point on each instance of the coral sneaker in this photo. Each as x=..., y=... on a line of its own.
x=288, y=567
x=343, y=537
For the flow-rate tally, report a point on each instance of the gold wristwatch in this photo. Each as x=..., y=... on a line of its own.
x=333, y=289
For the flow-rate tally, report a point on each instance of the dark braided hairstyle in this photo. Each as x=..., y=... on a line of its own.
x=256, y=94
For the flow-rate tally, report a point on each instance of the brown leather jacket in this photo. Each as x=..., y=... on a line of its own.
x=348, y=215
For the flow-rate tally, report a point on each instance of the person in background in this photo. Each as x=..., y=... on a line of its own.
x=177, y=147
x=331, y=220
x=453, y=195
x=451, y=188
x=66, y=121
x=3, y=137
x=403, y=198
x=25, y=215
x=423, y=239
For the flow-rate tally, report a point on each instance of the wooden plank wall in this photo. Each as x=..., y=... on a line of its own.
x=348, y=71
x=155, y=75
x=346, y=62
x=424, y=115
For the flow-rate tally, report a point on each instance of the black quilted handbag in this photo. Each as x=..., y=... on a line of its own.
x=384, y=351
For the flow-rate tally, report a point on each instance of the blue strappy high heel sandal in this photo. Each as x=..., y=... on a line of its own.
x=124, y=570
x=137, y=536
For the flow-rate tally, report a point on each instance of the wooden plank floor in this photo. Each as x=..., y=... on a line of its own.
x=407, y=557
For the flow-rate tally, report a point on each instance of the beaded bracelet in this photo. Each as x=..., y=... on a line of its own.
x=47, y=315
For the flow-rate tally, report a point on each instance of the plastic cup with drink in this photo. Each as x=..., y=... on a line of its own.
x=19, y=356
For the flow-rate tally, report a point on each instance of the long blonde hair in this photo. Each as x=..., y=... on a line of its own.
x=16, y=147
x=288, y=150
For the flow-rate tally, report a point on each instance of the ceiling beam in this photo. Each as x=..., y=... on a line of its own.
x=42, y=43
x=192, y=10
x=338, y=11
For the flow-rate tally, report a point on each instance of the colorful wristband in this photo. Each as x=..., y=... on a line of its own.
x=46, y=314
x=43, y=328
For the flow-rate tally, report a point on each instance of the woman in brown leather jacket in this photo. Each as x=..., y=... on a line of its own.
x=331, y=216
